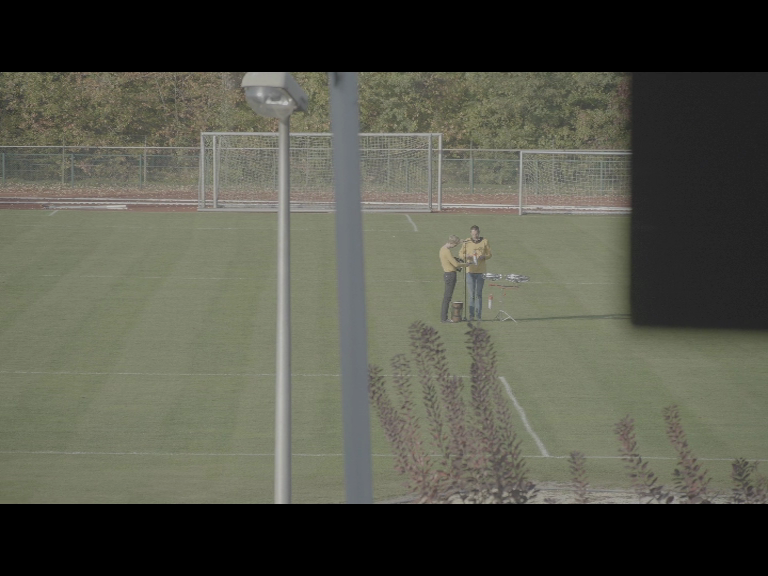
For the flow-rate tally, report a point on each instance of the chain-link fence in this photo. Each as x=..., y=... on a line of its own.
x=130, y=172
x=480, y=177
x=552, y=180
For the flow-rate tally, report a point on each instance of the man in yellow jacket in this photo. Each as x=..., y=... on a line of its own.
x=475, y=251
x=450, y=266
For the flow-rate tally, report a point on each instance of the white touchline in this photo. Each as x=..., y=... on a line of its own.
x=177, y=228
x=383, y=230
x=182, y=229
x=143, y=277
x=269, y=454
x=412, y=223
x=538, y=441
x=224, y=374
x=87, y=453
x=580, y=283
x=650, y=458
x=187, y=278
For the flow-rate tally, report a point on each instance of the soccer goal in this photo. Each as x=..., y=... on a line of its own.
x=239, y=171
x=575, y=181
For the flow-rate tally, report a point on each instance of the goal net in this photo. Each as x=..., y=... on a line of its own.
x=239, y=171
x=575, y=181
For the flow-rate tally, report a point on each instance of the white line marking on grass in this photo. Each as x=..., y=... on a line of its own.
x=244, y=228
x=384, y=230
x=179, y=228
x=187, y=277
x=86, y=453
x=579, y=283
x=650, y=458
x=520, y=410
x=52, y=213
x=223, y=374
x=146, y=277
x=270, y=455
x=175, y=228
x=539, y=443
x=412, y=223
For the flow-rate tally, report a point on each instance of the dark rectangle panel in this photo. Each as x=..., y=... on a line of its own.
x=699, y=237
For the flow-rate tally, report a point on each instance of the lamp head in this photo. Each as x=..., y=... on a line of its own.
x=274, y=94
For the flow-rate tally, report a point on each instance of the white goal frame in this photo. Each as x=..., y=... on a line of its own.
x=238, y=171
x=575, y=181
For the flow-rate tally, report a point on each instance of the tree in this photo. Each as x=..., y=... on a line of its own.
x=575, y=110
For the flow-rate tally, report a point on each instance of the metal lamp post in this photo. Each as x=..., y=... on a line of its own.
x=353, y=330
x=277, y=95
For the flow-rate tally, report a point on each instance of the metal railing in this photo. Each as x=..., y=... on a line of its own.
x=462, y=177
x=40, y=170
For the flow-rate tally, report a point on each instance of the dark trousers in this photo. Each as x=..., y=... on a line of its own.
x=450, y=284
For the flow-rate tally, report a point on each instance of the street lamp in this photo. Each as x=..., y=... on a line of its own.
x=277, y=95
x=274, y=94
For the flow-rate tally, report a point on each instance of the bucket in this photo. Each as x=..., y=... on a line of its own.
x=456, y=311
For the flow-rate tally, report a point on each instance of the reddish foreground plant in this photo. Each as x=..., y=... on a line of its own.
x=473, y=453
x=468, y=450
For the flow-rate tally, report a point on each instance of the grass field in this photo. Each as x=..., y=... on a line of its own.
x=137, y=353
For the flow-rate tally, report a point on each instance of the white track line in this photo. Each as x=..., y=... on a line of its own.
x=412, y=223
x=243, y=278
x=558, y=283
x=222, y=374
x=520, y=410
x=144, y=277
x=650, y=458
x=173, y=228
x=539, y=443
x=398, y=230
x=270, y=455
x=184, y=277
x=260, y=230
x=86, y=453
x=579, y=283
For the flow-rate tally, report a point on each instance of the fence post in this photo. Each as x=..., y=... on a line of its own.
x=407, y=177
x=215, y=159
x=3, y=168
x=439, y=172
x=72, y=170
x=145, y=158
x=520, y=178
x=389, y=168
x=602, y=177
x=471, y=170
x=429, y=176
x=275, y=168
x=201, y=173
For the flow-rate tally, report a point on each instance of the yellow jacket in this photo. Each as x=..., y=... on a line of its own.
x=449, y=263
x=481, y=248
